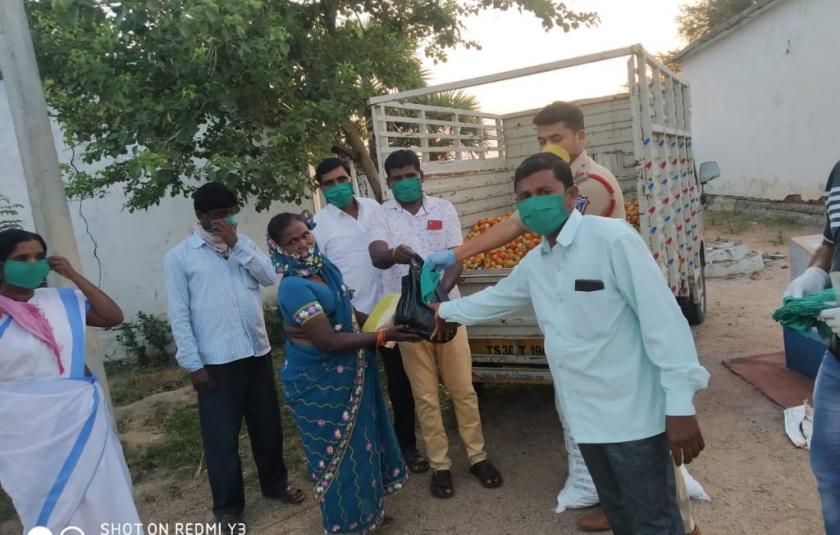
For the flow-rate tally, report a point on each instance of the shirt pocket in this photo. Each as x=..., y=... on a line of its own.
x=434, y=239
x=591, y=306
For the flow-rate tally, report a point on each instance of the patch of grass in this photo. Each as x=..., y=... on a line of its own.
x=130, y=382
x=736, y=222
x=175, y=490
x=733, y=222
x=7, y=510
x=181, y=449
x=784, y=225
x=779, y=239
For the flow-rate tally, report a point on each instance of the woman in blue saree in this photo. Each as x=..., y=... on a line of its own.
x=331, y=384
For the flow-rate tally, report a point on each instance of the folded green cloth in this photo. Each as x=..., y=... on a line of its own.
x=429, y=280
x=800, y=313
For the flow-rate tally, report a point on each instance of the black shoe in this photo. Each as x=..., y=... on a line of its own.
x=415, y=461
x=486, y=473
x=290, y=495
x=441, y=484
x=231, y=524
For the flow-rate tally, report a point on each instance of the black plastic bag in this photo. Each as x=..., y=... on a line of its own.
x=412, y=312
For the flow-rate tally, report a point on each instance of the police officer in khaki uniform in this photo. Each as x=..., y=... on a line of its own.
x=560, y=130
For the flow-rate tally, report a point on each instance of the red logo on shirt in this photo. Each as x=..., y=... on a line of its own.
x=434, y=224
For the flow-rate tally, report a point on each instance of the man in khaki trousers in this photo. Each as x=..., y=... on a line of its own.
x=409, y=224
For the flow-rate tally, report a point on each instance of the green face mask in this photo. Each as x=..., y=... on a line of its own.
x=340, y=195
x=211, y=228
x=408, y=189
x=543, y=214
x=25, y=274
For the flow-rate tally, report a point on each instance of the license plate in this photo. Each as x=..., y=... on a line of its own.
x=528, y=348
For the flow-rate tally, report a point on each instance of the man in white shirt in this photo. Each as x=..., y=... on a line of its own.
x=343, y=232
x=411, y=224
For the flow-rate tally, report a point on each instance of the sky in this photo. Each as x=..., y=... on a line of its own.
x=511, y=40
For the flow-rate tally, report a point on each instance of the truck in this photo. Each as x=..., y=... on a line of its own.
x=643, y=135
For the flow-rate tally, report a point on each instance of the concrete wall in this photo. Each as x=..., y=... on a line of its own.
x=764, y=102
x=130, y=245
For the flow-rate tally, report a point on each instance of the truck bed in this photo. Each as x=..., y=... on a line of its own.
x=507, y=350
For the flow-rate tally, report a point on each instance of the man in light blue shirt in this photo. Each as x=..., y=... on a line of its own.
x=213, y=281
x=620, y=351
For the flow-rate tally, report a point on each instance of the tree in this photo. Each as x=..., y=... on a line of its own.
x=698, y=19
x=9, y=213
x=667, y=59
x=247, y=92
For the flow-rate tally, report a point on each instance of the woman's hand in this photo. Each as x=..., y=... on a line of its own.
x=400, y=333
x=62, y=266
x=104, y=312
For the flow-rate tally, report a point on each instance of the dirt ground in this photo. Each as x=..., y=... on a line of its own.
x=759, y=483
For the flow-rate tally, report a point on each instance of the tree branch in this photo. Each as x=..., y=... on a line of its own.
x=360, y=150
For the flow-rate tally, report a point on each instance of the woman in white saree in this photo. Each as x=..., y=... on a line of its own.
x=60, y=458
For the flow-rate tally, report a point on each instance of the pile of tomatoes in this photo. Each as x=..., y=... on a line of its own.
x=504, y=257
x=631, y=213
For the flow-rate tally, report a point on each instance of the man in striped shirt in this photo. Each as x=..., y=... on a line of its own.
x=825, y=441
x=213, y=281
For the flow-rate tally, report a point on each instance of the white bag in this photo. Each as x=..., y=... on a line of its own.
x=694, y=488
x=579, y=490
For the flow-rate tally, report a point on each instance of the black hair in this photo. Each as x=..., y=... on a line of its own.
x=280, y=222
x=542, y=161
x=214, y=196
x=561, y=112
x=401, y=158
x=9, y=239
x=328, y=165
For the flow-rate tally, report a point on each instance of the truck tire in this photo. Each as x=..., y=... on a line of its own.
x=695, y=313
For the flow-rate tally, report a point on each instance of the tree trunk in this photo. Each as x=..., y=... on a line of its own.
x=361, y=152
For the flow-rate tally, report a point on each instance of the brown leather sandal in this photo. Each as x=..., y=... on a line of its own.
x=487, y=474
x=441, y=485
x=594, y=522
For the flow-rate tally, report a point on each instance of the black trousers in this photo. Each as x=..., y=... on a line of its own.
x=243, y=388
x=402, y=400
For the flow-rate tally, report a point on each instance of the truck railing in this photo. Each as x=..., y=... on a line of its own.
x=446, y=138
x=516, y=73
x=669, y=197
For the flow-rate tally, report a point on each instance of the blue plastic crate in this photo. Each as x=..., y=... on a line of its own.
x=803, y=354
